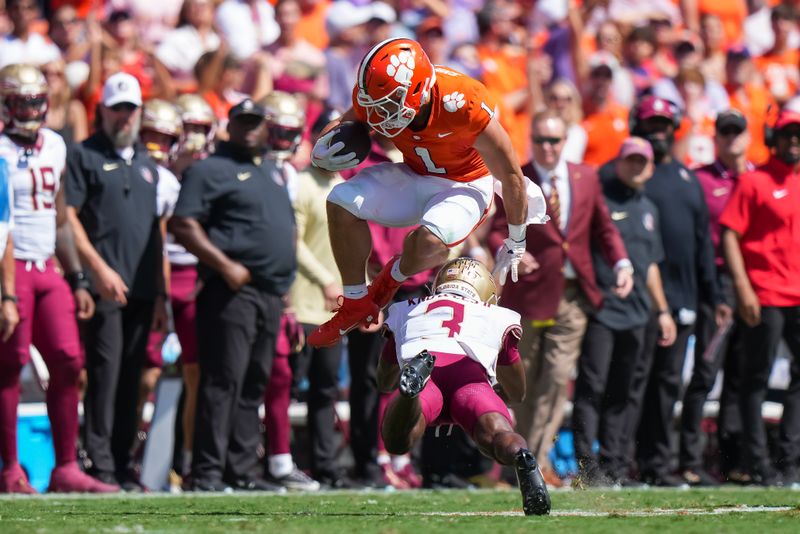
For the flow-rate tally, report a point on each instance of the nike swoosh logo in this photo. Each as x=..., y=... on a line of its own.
x=718, y=192
x=110, y=166
x=780, y=194
x=618, y=215
x=445, y=134
x=242, y=176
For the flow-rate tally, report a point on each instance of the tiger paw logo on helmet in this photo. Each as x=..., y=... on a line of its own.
x=454, y=101
x=401, y=67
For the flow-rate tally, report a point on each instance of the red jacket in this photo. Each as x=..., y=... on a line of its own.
x=536, y=295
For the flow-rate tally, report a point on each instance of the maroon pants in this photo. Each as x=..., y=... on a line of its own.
x=278, y=392
x=182, y=297
x=47, y=320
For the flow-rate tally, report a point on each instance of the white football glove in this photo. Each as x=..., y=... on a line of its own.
x=328, y=157
x=507, y=259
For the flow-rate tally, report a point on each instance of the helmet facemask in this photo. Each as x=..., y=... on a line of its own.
x=25, y=113
x=388, y=115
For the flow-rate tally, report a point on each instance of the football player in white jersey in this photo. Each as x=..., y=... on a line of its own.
x=160, y=132
x=199, y=127
x=36, y=157
x=9, y=315
x=448, y=351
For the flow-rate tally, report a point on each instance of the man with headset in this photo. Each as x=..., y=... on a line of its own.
x=689, y=276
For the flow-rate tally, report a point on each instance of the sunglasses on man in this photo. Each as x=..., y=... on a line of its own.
x=541, y=140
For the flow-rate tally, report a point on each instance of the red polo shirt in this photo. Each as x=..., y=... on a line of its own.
x=764, y=210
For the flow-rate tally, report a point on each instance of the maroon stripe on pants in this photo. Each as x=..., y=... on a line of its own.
x=183, y=282
x=277, y=396
x=46, y=302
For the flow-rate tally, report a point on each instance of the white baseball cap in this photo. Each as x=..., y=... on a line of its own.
x=121, y=87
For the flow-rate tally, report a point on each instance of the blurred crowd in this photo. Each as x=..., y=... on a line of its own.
x=649, y=110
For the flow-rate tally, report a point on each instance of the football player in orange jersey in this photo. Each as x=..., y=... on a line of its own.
x=453, y=150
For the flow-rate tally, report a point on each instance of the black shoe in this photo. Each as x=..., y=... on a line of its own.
x=255, y=484
x=215, y=486
x=371, y=476
x=698, y=478
x=415, y=374
x=129, y=483
x=535, y=499
x=446, y=481
x=337, y=481
x=663, y=480
x=764, y=475
x=789, y=476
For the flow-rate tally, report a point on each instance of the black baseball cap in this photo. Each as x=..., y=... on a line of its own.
x=730, y=117
x=247, y=107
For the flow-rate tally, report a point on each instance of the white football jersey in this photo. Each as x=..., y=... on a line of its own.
x=169, y=187
x=452, y=324
x=6, y=205
x=35, y=176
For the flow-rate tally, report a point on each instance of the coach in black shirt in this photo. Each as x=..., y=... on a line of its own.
x=615, y=334
x=689, y=276
x=239, y=223
x=111, y=197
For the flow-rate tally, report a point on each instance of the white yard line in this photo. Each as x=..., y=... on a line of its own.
x=622, y=513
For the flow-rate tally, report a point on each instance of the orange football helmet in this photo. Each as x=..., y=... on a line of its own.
x=394, y=81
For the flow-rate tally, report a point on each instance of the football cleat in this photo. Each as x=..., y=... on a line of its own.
x=535, y=499
x=416, y=373
x=69, y=478
x=350, y=314
x=14, y=480
x=384, y=287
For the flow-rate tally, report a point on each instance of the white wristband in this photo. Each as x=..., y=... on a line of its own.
x=516, y=232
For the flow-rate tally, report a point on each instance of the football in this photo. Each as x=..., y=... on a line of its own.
x=356, y=138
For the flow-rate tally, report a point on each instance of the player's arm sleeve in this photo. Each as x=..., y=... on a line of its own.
x=481, y=108
x=75, y=186
x=194, y=200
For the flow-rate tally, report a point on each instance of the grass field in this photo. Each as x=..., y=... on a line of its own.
x=755, y=511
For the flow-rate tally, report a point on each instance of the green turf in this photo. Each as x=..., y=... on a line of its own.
x=399, y=512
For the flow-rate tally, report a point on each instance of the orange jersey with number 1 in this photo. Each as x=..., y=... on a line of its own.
x=461, y=110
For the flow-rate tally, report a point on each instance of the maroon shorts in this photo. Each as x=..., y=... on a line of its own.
x=182, y=293
x=46, y=318
x=459, y=392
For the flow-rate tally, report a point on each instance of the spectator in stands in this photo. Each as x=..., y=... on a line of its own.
x=247, y=26
x=430, y=35
x=65, y=114
x=779, y=64
x=695, y=137
x=615, y=334
x=748, y=95
x=557, y=268
x=346, y=27
x=718, y=179
x=563, y=97
x=23, y=45
x=238, y=222
x=297, y=66
x=506, y=73
x=111, y=198
x=640, y=47
x=688, y=276
x=154, y=19
x=182, y=47
x=713, y=38
x=137, y=57
x=605, y=121
x=67, y=32
x=759, y=222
